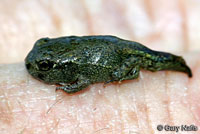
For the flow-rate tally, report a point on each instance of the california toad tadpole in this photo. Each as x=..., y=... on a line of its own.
x=75, y=62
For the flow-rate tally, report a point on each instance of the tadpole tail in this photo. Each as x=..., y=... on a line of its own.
x=183, y=68
x=167, y=61
x=175, y=63
x=188, y=71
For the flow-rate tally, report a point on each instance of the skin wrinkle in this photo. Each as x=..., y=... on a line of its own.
x=14, y=3
x=140, y=108
x=23, y=112
x=45, y=123
x=6, y=115
x=196, y=66
x=123, y=114
x=53, y=105
x=81, y=124
x=131, y=114
x=91, y=122
x=94, y=124
x=185, y=99
x=147, y=110
x=158, y=100
x=177, y=98
x=120, y=11
x=102, y=121
x=75, y=124
x=118, y=106
x=148, y=9
x=94, y=112
x=136, y=112
x=168, y=107
x=168, y=98
x=132, y=121
x=54, y=126
x=88, y=17
x=52, y=13
x=26, y=124
x=184, y=25
x=103, y=95
x=99, y=130
x=119, y=109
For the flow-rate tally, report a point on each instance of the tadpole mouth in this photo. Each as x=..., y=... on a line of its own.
x=28, y=66
x=40, y=76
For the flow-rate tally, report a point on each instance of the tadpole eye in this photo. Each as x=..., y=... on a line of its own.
x=45, y=40
x=42, y=41
x=45, y=65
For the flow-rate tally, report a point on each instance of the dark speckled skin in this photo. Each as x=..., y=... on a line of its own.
x=76, y=62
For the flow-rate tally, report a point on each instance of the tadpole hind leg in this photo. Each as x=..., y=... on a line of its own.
x=133, y=74
x=129, y=70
